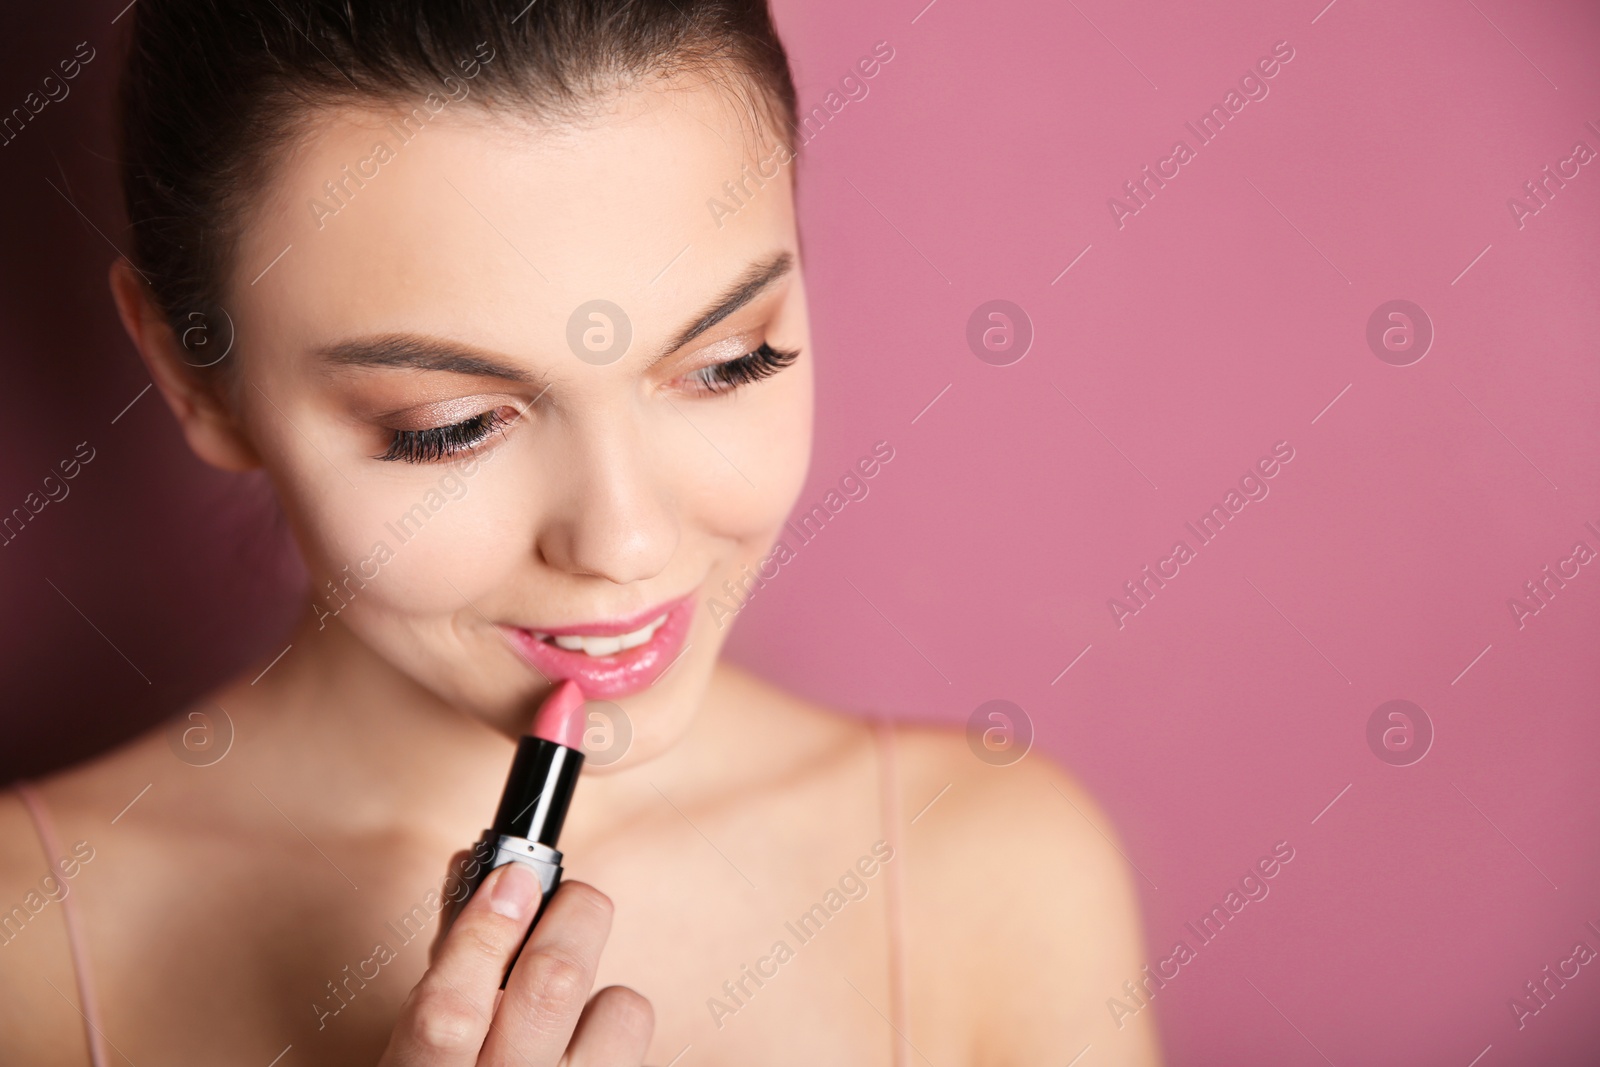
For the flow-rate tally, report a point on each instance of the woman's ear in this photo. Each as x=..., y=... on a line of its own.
x=212, y=430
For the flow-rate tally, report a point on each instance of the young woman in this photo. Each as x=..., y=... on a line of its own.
x=446, y=273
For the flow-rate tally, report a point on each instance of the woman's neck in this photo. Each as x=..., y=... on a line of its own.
x=337, y=725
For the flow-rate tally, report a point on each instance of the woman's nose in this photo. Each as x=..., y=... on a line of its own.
x=613, y=513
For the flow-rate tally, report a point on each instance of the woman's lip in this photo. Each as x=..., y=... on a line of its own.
x=610, y=627
x=616, y=675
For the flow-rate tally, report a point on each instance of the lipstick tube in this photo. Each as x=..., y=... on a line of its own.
x=533, y=805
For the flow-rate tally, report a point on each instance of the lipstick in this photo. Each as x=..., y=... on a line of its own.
x=606, y=672
x=533, y=804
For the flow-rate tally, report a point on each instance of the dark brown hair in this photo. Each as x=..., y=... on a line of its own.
x=214, y=90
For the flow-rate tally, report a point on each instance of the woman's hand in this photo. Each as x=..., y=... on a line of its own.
x=458, y=1017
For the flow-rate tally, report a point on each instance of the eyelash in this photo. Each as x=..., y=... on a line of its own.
x=441, y=442
x=764, y=362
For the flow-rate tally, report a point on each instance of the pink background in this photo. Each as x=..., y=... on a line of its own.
x=1224, y=317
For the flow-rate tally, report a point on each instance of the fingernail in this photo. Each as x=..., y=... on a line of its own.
x=513, y=890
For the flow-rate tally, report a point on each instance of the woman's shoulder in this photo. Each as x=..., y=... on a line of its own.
x=1021, y=908
x=79, y=804
x=959, y=799
x=82, y=806
x=99, y=811
x=40, y=1020
x=953, y=786
x=1019, y=892
x=960, y=789
x=1026, y=829
x=83, y=792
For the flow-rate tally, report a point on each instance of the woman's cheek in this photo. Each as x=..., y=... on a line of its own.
x=769, y=438
x=417, y=547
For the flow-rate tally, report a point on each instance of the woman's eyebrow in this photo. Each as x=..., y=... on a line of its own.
x=422, y=353
x=746, y=288
x=430, y=353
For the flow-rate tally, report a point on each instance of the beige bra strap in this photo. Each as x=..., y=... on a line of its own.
x=90, y=1008
x=889, y=800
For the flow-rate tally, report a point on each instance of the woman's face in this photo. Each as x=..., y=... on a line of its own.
x=487, y=366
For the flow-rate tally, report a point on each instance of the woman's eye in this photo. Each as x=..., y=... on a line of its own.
x=750, y=367
x=441, y=442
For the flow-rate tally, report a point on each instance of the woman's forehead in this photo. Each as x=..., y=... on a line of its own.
x=442, y=219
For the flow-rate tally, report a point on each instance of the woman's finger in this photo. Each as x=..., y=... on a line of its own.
x=455, y=891
x=444, y=1020
x=551, y=979
x=615, y=1030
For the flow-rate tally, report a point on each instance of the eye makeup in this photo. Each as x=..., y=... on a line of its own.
x=764, y=362
x=429, y=444
x=434, y=443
